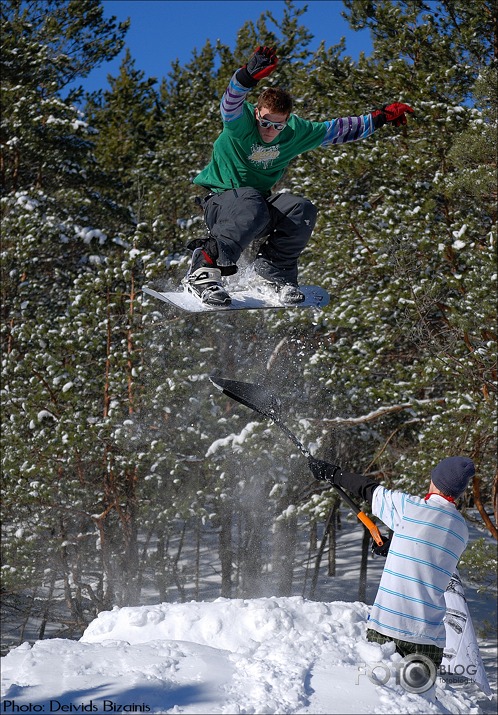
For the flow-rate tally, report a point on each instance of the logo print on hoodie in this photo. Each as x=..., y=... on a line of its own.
x=264, y=155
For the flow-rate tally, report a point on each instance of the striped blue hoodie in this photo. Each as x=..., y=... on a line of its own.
x=429, y=537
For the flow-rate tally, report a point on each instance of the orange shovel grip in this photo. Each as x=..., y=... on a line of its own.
x=371, y=527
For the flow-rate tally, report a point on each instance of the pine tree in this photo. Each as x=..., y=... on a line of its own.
x=128, y=119
x=475, y=164
x=60, y=338
x=75, y=35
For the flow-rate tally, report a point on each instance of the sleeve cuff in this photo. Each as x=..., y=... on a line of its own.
x=245, y=79
x=379, y=120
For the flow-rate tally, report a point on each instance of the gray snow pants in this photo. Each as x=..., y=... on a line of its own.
x=237, y=217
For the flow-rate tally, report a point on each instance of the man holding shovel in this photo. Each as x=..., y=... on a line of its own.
x=429, y=536
x=420, y=584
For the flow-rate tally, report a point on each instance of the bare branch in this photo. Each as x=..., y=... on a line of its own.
x=476, y=492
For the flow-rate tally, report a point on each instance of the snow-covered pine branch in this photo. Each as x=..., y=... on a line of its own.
x=375, y=414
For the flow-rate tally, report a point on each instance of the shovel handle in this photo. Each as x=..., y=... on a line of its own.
x=365, y=520
x=257, y=399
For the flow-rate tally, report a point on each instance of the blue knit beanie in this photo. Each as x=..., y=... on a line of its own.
x=452, y=475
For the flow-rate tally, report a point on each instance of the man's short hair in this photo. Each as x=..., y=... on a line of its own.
x=276, y=99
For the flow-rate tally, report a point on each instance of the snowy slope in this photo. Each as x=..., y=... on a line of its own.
x=268, y=655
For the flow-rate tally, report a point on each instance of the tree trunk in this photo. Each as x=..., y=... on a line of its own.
x=476, y=490
x=333, y=540
x=160, y=570
x=198, y=528
x=251, y=566
x=226, y=549
x=362, y=586
x=316, y=570
x=284, y=550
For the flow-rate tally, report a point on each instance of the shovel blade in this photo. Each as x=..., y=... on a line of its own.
x=254, y=396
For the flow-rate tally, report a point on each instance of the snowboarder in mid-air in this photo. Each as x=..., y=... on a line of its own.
x=249, y=157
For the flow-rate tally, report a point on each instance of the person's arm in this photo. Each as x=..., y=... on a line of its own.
x=350, y=129
x=261, y=63
x=232, y=102
x=357, y=484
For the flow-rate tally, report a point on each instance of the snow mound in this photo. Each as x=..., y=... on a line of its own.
x=267, y=655
x=238, y=625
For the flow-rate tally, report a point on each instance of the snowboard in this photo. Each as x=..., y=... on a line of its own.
x=247, y=299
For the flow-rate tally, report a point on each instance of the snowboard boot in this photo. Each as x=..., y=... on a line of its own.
x=209, y=256
x=288, y=293
x=204, y=277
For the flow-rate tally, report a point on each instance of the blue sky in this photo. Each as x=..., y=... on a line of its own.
x=164, y=30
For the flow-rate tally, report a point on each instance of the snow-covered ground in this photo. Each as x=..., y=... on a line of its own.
x=266, y=655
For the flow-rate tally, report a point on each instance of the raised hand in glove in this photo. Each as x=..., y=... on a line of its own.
x=323, y=471
x=261, y=63
x=394, y=114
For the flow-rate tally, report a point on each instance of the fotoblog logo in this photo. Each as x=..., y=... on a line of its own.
x=415, y=673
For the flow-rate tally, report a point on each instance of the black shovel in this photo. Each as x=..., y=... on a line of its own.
x=260, y=400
